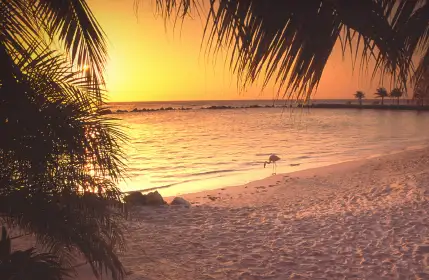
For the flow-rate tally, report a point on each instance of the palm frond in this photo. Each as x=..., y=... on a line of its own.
x=78, y=31
x=68, y=223
x=56, y=152
x=411, y=25
x=289, y=42
x=61, y=157
x=28, y=265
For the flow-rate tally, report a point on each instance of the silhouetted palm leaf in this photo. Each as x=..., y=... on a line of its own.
x=415, y=33
x=411, y=25
x=61, y=160
x=28, y=265
x=289, y=42
x=70, y=22
x=78, y=30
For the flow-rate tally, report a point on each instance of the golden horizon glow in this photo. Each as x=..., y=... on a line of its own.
x=153, y=61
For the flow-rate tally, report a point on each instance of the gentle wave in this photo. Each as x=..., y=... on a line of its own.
x=302, y=157
x=263, y=155
x=210, y=148
x=212, y=172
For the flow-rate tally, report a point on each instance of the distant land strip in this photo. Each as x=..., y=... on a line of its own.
x=315, y=106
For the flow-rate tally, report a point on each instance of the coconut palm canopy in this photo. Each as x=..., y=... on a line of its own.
x=381, y=92
x=289, y=42
x=359, y=94
x=396, y=92
x=60, y=158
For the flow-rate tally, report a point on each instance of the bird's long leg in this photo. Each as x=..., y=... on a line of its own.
x=274, y=164
x=275, y=169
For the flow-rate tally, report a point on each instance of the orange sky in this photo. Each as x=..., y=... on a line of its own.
x=149, y=62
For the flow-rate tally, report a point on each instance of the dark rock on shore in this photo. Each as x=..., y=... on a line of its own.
x=134, y=198
x=149, y=199
x=218, y=107
x=136, y=110
x=181, y=202
x=106, y=112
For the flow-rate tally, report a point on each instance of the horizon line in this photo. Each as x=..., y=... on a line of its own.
x=208, y=100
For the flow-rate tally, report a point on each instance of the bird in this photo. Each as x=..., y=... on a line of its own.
x=272, y=159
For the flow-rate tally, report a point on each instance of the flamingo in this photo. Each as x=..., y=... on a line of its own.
x=272, y=159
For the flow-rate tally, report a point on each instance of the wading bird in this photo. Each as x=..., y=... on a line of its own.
x=272, y=159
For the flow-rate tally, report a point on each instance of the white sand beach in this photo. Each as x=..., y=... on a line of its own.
x=367, y=219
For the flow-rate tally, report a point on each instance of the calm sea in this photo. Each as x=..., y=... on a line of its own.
x=188, y=151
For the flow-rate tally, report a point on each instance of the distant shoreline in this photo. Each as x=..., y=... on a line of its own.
x=368, y=106
x=405, y=107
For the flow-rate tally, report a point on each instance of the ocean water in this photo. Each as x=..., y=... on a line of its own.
x=188, y=151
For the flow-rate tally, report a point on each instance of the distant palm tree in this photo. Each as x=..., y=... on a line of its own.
x=360, y=95
x=60, y=158
x=381, y=93
x=396, y=93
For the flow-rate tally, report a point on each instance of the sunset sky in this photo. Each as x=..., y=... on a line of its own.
x=149, y=61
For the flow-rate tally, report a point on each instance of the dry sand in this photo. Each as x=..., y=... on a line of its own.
x=366, y=219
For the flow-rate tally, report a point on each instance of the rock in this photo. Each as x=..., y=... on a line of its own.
x=106, y=112
x=180, y=201
x=137, y=198
x=154, y=198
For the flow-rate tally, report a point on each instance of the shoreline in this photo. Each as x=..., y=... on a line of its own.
x=315, y=105
x=365, y=219
x=272, y=180
x=362, y=219
x=254, y=182
x=401, y=107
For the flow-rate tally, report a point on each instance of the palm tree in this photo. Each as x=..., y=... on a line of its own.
x=396, y=93
x=290, y=41
x=60, y=158
x=381, y=93
x=360, y=95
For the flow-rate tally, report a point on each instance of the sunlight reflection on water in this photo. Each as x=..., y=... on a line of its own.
x=205, y=149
